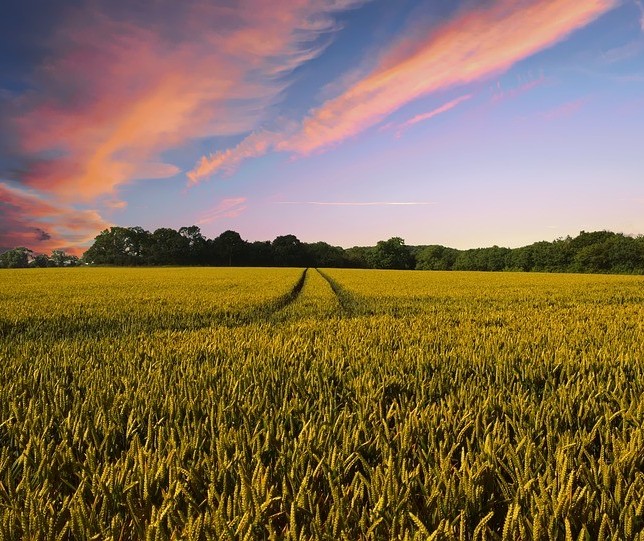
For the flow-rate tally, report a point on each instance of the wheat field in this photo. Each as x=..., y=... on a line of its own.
x=320, y=404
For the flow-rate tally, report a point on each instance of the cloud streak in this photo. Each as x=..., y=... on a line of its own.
x=475, y=44
x=431, y=114
x=359, y=203
x=564, y=110
x=500, y=94
x=640, y=6
x=227, y=208
x=255, y=145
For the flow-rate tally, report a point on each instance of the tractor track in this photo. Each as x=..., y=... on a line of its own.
x=347, y=301
x=71, y=328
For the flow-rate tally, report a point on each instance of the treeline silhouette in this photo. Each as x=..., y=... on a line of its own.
x=596, y=252
x=599, y=251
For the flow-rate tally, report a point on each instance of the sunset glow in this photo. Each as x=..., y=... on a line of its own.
x=464, y=124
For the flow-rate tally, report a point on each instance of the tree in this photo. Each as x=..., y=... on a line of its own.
x=465, y=260
x=392, y=254
x=625, y=254
x=436, y=258
x=321, y=254
x=289, y=252
x=119, y=246
x=168, y=247
x=541, y=254
x=521, y=259
x=60, y=259
x=593, y=258
x=41, y=261
x=18, y=258
x=228, y=248
x=495, y=258
x=359, y=257
x=197, y=243
x=260, y=254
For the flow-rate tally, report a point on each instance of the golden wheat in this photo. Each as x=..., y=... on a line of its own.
x=273, y=404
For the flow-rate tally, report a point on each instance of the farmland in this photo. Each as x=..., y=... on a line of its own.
x=336, y=404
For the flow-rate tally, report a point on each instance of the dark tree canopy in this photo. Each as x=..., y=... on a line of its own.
x=228, y=249
x=598, y=251
x=288, y=251
x=392, y=254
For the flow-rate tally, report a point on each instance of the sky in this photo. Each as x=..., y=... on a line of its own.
x=461, y=123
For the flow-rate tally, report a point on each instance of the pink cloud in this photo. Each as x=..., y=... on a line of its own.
x=119, y=89
x=227, y=208
x=115, y=204
x=359, y=203
x=474, y=45
x=511, y=93
x=564, y=110
x=255, y=145
x=116, y=93
x=431, y=114
x=29, y=219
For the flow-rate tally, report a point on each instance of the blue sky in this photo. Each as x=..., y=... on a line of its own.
x=350, y=121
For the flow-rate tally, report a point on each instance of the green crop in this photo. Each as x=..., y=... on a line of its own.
x=333, y=404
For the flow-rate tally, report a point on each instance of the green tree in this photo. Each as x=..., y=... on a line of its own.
x=288, y=251
x=197, y=243
x=520, y=259
x=168, y=247
x=18, y=258
x=228, y=248
x=322, y=254
x=392, y=254
x=119, y=246
x=625, y=254
x=359, y=257
x=436, y=258
x=41, y=261
x=59, y=258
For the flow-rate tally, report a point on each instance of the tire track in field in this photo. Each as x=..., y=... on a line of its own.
x=290, y=297
x=270, y=312
x=67, y=328
x=348, y=302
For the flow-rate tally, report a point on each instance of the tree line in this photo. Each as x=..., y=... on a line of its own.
x=598, y=252
x=22, y=257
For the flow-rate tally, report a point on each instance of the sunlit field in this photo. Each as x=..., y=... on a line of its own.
x=333, y=404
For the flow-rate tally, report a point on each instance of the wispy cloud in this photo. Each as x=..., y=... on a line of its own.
x=640, y=5
x=400, y=128
x=564, y=110
x=358, y=203
x=115, y=204
x=253, y=146
x=500, y=93
x=121, y=86
x=475, y=44
x=116, y=93
x=227, y=208
x=30, y=219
